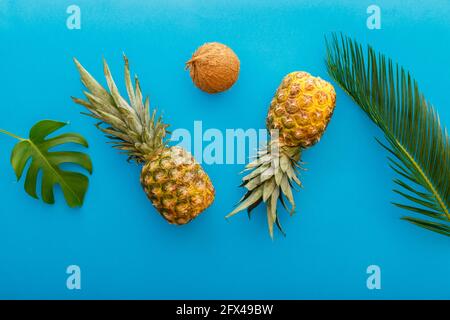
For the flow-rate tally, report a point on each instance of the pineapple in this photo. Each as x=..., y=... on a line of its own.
x=174, y=182
x=298, y=116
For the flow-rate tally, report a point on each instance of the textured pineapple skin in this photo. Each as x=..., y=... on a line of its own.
x=177, y=185
x=301, y=109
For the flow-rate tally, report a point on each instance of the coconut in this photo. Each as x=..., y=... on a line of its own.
x=214, y=67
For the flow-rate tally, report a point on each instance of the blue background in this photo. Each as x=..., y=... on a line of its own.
x=345, y=221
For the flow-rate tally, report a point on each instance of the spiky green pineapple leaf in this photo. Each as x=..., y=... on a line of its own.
x=419, y=147
x=36, y=150
x=271, y=178
x=131, y=126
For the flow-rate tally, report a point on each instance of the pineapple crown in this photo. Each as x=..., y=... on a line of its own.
x=131, y=126
x=272, y=177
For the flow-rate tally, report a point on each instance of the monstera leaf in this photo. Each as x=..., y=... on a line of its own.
x=36, y=151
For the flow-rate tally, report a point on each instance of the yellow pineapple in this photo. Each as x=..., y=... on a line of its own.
x=180, y=190
x=175, y=183
x=298, y=116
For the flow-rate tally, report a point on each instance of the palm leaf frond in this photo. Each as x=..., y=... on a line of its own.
x=419, y=147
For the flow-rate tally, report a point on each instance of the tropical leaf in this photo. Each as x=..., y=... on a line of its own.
x=36, y=151
x=419, y=147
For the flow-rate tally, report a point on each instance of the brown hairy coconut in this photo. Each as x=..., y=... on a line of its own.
x=214, y=67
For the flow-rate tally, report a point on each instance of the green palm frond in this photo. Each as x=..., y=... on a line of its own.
x=419, y=148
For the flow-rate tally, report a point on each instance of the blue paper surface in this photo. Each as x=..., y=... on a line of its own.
x=344, y=220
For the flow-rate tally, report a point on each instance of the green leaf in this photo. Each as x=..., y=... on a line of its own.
x=131, y=126
x=268, y=188
x=420, y=146
x=432, y=226
x=271, y=180
x=428, y=213
x=270, y=218
x=252, y=197
x=252, y=207
x=36, y=151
